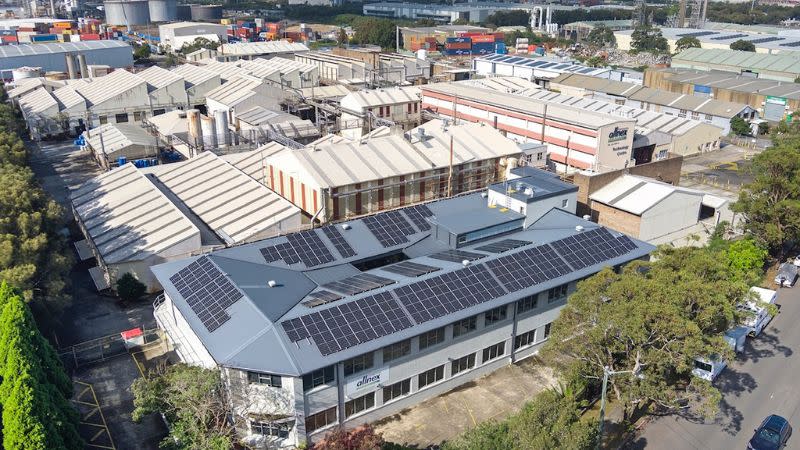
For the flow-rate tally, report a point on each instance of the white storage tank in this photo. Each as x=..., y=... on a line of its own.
x=26, y=72
x=127, y=12
x=163, y=10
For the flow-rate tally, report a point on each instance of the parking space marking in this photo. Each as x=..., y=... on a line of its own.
x=96, y=410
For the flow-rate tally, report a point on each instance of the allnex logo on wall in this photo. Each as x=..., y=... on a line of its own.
x=619, y=134
x=366, y=382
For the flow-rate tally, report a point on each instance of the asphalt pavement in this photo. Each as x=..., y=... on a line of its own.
x=764, y=380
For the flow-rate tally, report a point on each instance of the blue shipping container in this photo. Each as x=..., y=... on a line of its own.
x=457, y=51
x=458, y=39
x=44, y=38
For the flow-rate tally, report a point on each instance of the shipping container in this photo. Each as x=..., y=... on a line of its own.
x=458, y=40
x=226, y=21
x=9, y=39
x=483, y=38
x=456, y=52
x=63, y=25
x=90, y=37
x=44, y=38
x=457, y=46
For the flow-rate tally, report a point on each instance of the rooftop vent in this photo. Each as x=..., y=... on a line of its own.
x=587, y=217
x=578, y=228
x=465, y=262
x=484, y=194
x=529, y=192
x=345, y=226
x=272, y=283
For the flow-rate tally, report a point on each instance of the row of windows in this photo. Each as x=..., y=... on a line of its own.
x=529, y=338
x=277, y=429
x=321, y=419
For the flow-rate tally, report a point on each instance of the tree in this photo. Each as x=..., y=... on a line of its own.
x=646, y=38
x=742, y=45
x=509, y=18
x=763, y=128
x=343, y=40
x=770, y=203
x=740, y=126
x=199, y=43
x=602, y=36
x=361, y=438
x=747, y=259
x=141, y=52
x=686, y=42
x=375, y=31
x=194, y=402
x=129, y=288
x=652, y=319
x=34, y=390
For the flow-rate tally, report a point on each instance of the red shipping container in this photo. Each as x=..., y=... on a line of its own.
x=483, y=39
x=458, y=46
x=90, y=37
x=10, y=39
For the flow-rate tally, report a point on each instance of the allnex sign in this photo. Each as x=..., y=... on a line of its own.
x=366, y=382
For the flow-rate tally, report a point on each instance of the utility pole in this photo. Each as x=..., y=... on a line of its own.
x=450, y=174
x=606, y=374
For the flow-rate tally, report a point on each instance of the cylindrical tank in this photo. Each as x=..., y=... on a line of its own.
x=83, y=66
x=22, y=73
x=422, y=54
x=193, y=117
x=127, y=12
x=163, y=10
x=221, y=119
x=72, y=71
x=207, y=13
x=209, y=132
x=183, y=12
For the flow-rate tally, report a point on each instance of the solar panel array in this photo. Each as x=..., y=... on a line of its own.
x=502, y=246
x=349, y=324
x=321, y=298
x=457, y=256
x=334, y=234
x=765, y=39
x=207, y=291
x=417, y=214
x=528, y=267
x=305, y=246
x=357, y=284
x=390, y=228
x=449, y=292
x=698, y=34
x=730, y=36
x=791, y=44
x=410, y=268
x=590, y=247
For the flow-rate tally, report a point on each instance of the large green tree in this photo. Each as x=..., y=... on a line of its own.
x=770, y=203
x=742, y=45
x=375, y=31
x=602, y=36
x=647, y=38
x=194, y=402
x=686, y=42
x=651, y=319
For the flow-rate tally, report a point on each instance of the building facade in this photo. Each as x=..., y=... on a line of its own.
x=362, y=109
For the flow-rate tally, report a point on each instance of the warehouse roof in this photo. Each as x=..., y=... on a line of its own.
x=233, y=205
x=273, y=287
x=68, y=97
x=513, y=85
x=374, y=158
x=746, y=61
x=703, y=105
x=177, y=25
x=263, y=68
x=261, y=48
x=781, y=43
x=279, y=122
x=37, y=102
x=637, y=195
x=226, y=71
x=10, y=51
x=157, y=77
x=98, y=90
x=543, y=66
x=114, y=137
x=194, y=75
x=127, y=217
x=729, y=81
x=384, y=96
x=334, y=92
x=235, y=90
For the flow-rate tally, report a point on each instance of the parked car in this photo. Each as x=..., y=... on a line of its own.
x=787, y=273
x=758, y=315
x=771, y=435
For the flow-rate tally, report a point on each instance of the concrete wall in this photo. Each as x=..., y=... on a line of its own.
x=170, y=97
x=678, y=211
x=667, y=170
x=188, y=346
x=197, y=93
x=700, y=139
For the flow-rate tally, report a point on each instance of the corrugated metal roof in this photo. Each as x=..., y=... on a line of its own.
x=117, y=137
x=252, y=162
x=226, y=71
x=37, y=102
x=334, y=91
x=261, y=48
x=234, y=91
x=231, y=203
x=194, y=75
x=8, y=51
x=158, y=78
x=100, y=89
x=637, y=195
x=128, y=218
x=737, y=83
x=383, y=96
x=782, y=62
x=68, y=97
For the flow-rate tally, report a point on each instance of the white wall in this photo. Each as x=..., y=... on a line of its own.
x=677, y=211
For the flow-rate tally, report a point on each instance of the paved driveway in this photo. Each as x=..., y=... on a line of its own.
x=764, y=380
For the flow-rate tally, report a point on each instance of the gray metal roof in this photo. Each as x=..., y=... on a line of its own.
x=254, y=339
x=541, y=184
x=117, y=137
x=8, y=51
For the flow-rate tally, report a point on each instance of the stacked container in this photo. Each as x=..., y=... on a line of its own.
x=483, y=44
x=456, y=46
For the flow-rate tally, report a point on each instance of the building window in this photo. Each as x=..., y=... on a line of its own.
x=662, y=154
x=359, y=404
x=277, y=429
x=546, y=333
x=138, y=116
x=708, y=117
x=158, y=112
x=357, y=364
x=264, y=378
x=321, y=419
x=318, y=378
x=397, y=350
x=682, y=113
x=539, y=156
x=103, y=120
x=121, y=117
x=416, y=107
x=557, y=293
x=695, y=115
x=564, y=203
x=464, y=326
x=430, y=376
x=495, y=315
x=431, y=338
x=527, y=303
x=464, y=363
x=494, y=351
x=525, y=339
x=396, y=390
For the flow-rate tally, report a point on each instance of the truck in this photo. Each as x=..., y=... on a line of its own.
x=709, y=368
x=758, y=314
x=787, y=273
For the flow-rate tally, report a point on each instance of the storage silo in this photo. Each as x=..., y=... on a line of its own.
x=207, y=13
x=127, y=12
x=163, y=10
x=183, y=12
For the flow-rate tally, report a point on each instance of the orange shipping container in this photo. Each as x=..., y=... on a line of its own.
x=63, y=25
x=483, y=39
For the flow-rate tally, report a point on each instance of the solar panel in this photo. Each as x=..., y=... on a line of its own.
x=698, y=33
x=390, y=228
x=730, y=36
x=305, y=246
x=335, y=236
x=590, y=247
x=791, y=44
x=207, y=291
x=349, y=324
x=528, y=267
x=450, y=292
x=457, y=256
x=417, y=214
x=357, y=284
x=502, y=246
x=766, y=39
x=410, y=268
x=321, y=298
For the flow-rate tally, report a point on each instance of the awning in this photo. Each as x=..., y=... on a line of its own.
x=99, y=277
x=84, y=251
x=712, y=201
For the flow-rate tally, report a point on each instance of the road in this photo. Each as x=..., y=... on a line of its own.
x=764, y=380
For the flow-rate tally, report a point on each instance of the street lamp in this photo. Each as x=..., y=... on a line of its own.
x=606, y=374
